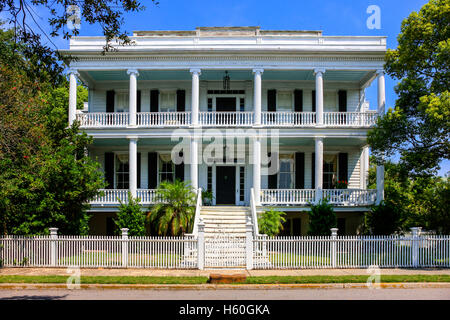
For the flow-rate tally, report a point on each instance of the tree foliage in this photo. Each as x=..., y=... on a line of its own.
x=22, y=16
x=174, y=215
x=271, y=222
x=321, y=219
x=46, y=177
x=131, y=216
x=418, y=128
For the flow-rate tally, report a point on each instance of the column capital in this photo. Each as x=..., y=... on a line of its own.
x=380, y=72
x=319, y=71
x=133, y=71
x=258, y=70
x=74, y=72
x=195, y=71
x=319, y=138
x=135, y=138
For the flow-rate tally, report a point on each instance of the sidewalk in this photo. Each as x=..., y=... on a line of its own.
x=206, y=273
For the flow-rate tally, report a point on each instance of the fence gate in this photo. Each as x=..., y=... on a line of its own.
x=225, y=251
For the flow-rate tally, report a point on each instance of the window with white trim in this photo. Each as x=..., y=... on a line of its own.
x=166, y=168
x=122, y=102
x=286, y=175
x=122, y=171
x=329, y=170
x=168, y=101
x=284, y=102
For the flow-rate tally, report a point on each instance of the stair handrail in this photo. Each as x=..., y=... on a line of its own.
x=198, y=208
x=253, y=210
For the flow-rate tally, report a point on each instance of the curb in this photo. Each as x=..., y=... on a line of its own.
x=393, y=285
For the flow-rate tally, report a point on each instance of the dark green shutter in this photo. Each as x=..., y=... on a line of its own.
x=109, y=170
x=343, y=166
x=298, y=100
x=138, y=170
x=272, y=178
x=299, y=170
x=272, y=100
x=181, y=100
x=152, y=170
x=313, y=170
x=138, y=102
x=342, y=95
x=154, y=101
x=179, y=169
x=110, y=101
x=313, y=98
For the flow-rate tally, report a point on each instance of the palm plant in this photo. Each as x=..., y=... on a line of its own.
x=174, y=213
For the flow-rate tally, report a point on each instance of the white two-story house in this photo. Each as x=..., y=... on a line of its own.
x=229, y=102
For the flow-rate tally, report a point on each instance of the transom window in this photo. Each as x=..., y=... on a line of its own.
x=284, y=102
x=329, y=171
x=166, y=168
x=286, y=174
x=168, y=101
x=122, y=171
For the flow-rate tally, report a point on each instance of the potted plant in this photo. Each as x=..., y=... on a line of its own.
x=207, y=197
x=341, y=184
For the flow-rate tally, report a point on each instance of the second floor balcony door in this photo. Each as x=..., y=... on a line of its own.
x=228, y=105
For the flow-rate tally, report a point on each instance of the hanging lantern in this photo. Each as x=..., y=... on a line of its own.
x=226, y=81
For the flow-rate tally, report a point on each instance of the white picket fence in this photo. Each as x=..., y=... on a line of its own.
x=199, y=252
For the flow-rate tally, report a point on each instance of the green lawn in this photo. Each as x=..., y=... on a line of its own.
x=202, y=280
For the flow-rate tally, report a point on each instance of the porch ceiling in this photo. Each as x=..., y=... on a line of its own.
x=217, y=75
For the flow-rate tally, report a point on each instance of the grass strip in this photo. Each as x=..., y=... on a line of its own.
x=104, y=279
x=202, y=280
x=344, y=279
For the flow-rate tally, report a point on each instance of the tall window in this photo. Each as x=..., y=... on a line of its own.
x=329, y=171
x=209, y=182
x=168, y=101
x=122, y=101
x=284, y=101
x=286, y=175
x=122, y=171
x=166, y=168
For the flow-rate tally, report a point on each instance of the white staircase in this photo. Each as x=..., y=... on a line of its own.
x=225, y=220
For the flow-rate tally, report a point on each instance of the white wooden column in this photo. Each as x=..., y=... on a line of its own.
x=318, y=167
x=133, y=165
x=133, y=96
x=257, y=95
x=72, y=95
x=319, y=95
x=257, y=169
x=364, y=175
x=195, y=95
x=381, y=108
x=194, y=162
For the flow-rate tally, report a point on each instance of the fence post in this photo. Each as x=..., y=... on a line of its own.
x=53, y=253
x=333, y=246
x=415, y=246
x=124, y=247
x=201, y=244
x=249, y=244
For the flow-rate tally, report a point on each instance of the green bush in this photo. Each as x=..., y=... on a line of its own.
x=271, y=222
x=383, y=219
x=321, y=219
x=130, y=216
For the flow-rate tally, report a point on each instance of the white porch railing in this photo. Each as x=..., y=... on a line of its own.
x=254, y=214
x=352, y=119
x=287, y=196
x=226, y=119
x=198, y=208
x=350, y=197
x=112, y=196
x=288, y=119
x=103, y=119
x=163, y=119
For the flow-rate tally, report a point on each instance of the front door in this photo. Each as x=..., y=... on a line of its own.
x=227, y=104
x=225, y=185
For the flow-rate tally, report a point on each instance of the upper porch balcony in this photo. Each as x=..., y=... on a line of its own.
x=226, y=119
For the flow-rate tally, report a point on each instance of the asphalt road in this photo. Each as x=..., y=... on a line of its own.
x=220, y=294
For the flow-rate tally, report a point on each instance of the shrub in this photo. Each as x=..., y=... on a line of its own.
x=271, y=222
x=383, y=219
x=321, y=219
x=175, y=214
x=130, y=216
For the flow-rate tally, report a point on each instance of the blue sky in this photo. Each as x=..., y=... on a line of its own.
x=344, y=17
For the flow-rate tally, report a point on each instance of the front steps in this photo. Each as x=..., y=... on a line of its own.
x=225, y=220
